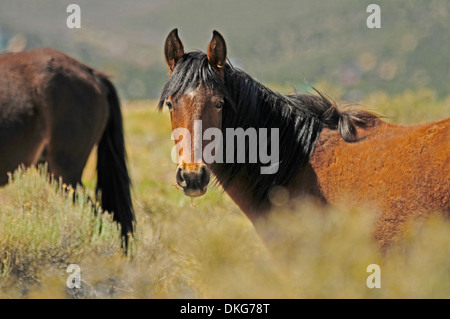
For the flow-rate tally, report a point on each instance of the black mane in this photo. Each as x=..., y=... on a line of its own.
x=300, y=119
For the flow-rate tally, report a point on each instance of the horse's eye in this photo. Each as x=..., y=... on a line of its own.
x=220, y=104
x=169, y=105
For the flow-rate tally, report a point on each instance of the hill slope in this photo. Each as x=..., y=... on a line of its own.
x=284, y=42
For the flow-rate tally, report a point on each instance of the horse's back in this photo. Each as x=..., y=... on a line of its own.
x=29, y=79
x=398, y=171
x=34, y=69
x=392, y=159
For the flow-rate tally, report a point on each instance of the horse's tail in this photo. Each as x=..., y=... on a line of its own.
x=113, y=181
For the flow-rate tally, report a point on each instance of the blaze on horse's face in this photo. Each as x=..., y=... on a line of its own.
x=187, y=109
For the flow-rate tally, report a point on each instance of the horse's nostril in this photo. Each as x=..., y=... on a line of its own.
x=180, y=179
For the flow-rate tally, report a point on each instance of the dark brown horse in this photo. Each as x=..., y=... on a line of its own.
x=54, y=109
x=324, y=153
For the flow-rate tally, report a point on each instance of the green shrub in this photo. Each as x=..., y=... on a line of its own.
x=42, y=225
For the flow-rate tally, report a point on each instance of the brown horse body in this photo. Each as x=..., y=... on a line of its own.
x=399, y=172
x=54, y=109
x=37, y=89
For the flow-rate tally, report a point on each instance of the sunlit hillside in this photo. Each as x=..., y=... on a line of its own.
x=282, y=42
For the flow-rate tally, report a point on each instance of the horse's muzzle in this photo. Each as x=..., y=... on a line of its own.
x=193, y=179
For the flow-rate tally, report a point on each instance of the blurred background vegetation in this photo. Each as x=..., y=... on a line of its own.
x=283, y=43
x=207, y=248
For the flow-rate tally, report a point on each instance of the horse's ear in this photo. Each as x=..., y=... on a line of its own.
x=217, y=51
x=173, y=49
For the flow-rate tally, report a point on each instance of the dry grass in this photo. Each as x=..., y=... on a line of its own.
x=204, y=249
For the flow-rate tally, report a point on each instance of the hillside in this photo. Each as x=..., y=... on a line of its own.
x=280, y=43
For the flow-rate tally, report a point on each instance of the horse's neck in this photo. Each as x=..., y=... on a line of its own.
x=238, y=191
x=304, y=184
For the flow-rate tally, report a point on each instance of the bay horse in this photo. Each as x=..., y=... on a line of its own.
x=54, y=109
x=334, y=156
